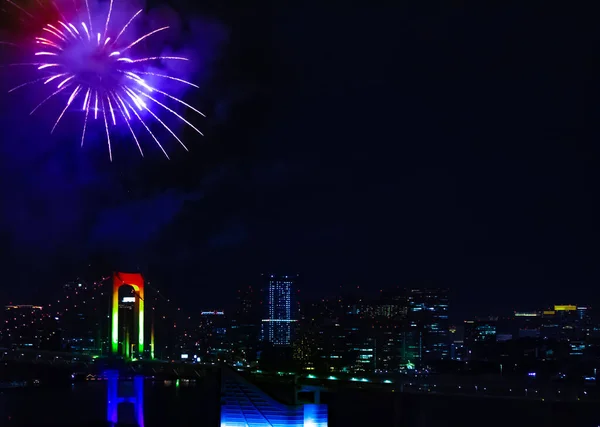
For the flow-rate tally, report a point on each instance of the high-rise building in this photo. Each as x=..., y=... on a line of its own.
x=281, y=310
x=428, y=310
x=244, y=331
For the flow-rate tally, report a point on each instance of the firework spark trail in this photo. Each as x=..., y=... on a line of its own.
x=107, y=131
x=156, y=58
x=46, y=99
x=20, y=8
x=108, y=18
x=148, y=129
x=145, y=36
x=87, y=112
x=148, y=73
x=73, y=95
x=72, y=52
x=26, y=84
x=127, y=25
x=89, y=13
x=127, y=117
x=171, y=111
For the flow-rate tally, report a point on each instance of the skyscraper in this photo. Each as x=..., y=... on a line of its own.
x=277, y=327
x=428, y=310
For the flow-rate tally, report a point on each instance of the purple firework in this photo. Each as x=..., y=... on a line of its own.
x=92, y=67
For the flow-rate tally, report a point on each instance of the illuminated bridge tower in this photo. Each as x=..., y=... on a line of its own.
x=136, y=281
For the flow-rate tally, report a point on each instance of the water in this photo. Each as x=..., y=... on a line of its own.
x=85, y=404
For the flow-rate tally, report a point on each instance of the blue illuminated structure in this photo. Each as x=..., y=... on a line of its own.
x=245, y=405
x=113, y=399
x=315, y=415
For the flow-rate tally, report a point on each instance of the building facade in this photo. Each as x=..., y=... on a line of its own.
x=278, y=325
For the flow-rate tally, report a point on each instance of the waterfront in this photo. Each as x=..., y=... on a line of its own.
x=181, y=404
x=85, y=404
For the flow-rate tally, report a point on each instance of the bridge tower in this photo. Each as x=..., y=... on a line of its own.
x=136, y=281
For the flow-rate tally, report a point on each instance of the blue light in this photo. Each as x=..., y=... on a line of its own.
x=245, y=405
x=113, y=400
x=315, y=416
x=387, y=381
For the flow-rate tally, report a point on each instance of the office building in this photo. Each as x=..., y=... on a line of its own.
x=281, y=309
x=428, y=313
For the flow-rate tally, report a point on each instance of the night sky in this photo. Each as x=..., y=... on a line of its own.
x=374, y=146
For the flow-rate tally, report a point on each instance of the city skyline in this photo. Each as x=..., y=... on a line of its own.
x=270, y=330
x=283, y=304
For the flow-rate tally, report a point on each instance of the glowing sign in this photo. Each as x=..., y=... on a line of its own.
x=565, y=307
x=128, y=299
x=525, y=314
x=549, y=312
x=212, y=313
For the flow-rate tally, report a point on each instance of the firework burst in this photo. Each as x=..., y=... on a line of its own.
x=88, y=63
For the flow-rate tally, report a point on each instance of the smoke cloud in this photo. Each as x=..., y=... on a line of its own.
x=71, y=202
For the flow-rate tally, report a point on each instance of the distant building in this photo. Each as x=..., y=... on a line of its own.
x=22, y=326
x=278, y=325
x=214, y=324
x=527, y=324
x=244, y=331
x=566, y=323
x=428, y=311
x=83, y=321
x=478, y=335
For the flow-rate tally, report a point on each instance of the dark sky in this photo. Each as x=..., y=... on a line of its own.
x=376, y=146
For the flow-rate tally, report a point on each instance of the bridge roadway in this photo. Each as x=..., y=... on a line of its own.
x=89, y=367
x=504, y=388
